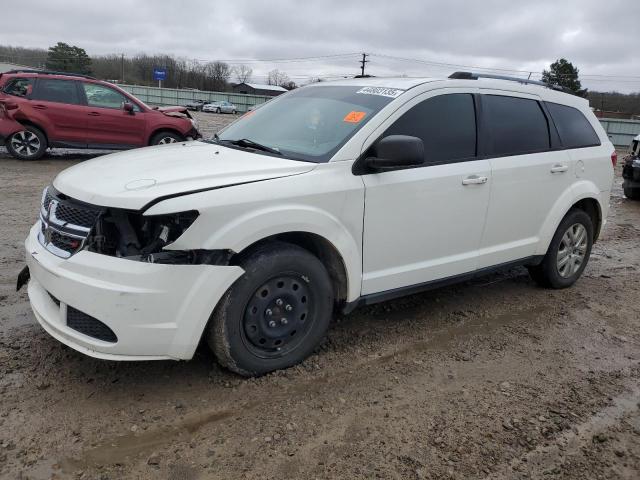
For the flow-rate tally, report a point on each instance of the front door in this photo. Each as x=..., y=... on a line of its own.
x=109, y=125
x=424, y=224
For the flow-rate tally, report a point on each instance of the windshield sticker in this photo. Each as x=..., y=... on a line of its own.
x=354, y=117
x=381, y=91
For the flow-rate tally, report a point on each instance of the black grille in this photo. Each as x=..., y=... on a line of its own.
x=76, y=215
x=86, y=324
x=64, y=242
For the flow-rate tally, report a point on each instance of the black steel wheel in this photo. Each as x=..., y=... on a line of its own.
x=276, y=314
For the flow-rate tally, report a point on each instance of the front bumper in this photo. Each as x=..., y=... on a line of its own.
x=156, y=311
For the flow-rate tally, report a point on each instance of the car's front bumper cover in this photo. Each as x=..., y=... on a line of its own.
x=156, y=311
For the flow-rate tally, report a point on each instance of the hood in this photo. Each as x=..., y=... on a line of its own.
x=133, y=178
x=176, y=111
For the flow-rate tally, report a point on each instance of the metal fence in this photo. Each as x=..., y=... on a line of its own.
x=620, y=131
x=174, y=96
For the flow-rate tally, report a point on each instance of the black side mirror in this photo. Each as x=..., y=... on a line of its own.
x=395, y=152
x=128, y=107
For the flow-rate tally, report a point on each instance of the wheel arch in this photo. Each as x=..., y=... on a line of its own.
x=584, y=196
x=318, y=246
x=162, y=130
x=35, y=125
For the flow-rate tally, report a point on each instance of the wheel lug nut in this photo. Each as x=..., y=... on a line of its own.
x=288, y=308
x=279, y=302
x=272, y=323
x=268, y=312
x=283, y=321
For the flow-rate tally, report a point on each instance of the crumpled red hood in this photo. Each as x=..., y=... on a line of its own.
x=176, y=111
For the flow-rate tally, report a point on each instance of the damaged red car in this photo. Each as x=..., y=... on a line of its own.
x=41, y=110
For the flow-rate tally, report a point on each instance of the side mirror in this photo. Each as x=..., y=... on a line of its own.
x=395, y=152
x=127, y=107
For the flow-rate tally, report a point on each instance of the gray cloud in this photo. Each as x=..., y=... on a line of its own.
x=601, y=38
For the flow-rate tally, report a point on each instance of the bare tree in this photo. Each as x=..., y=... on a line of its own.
x=242, y=73
x=219, y=74
x=276, y=77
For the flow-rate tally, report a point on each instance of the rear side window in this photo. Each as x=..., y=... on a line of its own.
x=20, y=87
x=53, y=90
x=446, y=124
x=574, y=129
x=517, y=125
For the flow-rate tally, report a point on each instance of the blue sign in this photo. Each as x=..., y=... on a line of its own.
x=159, y=73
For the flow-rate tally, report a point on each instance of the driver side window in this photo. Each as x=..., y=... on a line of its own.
x=100, y=96
x=446, y=124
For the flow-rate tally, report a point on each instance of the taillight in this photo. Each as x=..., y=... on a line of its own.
x=614, y=158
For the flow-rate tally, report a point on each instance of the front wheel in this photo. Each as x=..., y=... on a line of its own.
x=235, y=112
x=165, y=138
x=218, y=110
x=568, y=252
x=28, y=144
x=276, y=314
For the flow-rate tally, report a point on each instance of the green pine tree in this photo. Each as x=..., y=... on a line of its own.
x=66, y=58
x=564, y=74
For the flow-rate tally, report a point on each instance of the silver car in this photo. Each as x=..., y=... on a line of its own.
x=220, y=107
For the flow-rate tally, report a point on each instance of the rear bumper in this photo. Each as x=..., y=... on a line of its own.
x=156, y=311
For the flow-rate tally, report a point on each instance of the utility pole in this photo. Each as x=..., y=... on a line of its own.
x=362, y=63
x=122, y=67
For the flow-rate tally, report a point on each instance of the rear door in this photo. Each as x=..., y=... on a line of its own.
x=424, y=224
x=57, y=105
x=109, y=125
x=530, y=172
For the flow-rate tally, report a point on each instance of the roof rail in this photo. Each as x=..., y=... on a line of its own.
x=50, y=72
x=524, y=81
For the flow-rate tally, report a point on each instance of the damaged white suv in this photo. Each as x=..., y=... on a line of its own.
x=328, y=197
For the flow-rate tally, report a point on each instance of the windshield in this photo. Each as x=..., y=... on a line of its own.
x=310, y=123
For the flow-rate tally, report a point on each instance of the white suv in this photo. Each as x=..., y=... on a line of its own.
x=328, y=197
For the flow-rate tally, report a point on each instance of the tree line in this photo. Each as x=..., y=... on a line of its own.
x=138, y=69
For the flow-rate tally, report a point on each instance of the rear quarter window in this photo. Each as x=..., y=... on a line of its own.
x=20, y=87
x=574, y=129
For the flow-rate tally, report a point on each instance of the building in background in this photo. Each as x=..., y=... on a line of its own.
x=258, y=89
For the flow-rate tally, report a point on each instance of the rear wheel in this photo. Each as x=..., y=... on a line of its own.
x=218, y=110
x=632, y=193
x=235, y=112
x=29, y=144
x=568, y=252
x=164, y=138
x=276, y=314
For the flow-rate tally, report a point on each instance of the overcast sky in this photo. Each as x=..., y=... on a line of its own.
x=602, y=38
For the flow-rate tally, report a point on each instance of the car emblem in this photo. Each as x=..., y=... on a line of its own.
x=53, y=204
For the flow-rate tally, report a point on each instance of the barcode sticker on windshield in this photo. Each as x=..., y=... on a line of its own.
x=382, y=91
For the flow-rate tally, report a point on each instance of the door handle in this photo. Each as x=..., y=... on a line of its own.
x=557, y=168
x=40, y=107
x=475, y=180
x=94, y=114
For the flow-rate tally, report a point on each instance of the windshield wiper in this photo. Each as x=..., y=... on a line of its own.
x=245, y=142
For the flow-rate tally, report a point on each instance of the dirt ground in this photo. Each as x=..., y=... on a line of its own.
x=494, y=378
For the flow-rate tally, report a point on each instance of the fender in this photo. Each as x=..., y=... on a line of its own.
x=257, y=214
x=577, y=191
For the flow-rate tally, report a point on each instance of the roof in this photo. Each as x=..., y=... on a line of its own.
x=263, y=86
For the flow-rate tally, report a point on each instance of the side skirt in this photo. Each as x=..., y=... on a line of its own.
x=378, y=297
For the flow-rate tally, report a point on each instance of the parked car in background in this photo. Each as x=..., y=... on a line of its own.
x=631, y=171
x=195, y=105
x=220, y=107
x=40, y=110
x=330, y=196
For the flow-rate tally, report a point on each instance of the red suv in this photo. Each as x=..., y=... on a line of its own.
x=40, y=109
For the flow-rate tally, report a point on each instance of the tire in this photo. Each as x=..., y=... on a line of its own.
x=28, y=144
x=632, y=193
x=275, y=315
x=218, y=110
x=165, y=138
x=573, y=241
x=235, y=112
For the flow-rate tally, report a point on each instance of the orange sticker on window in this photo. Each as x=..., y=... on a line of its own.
x=354, y=117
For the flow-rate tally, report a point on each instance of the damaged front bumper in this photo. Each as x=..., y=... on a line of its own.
x=152, y=311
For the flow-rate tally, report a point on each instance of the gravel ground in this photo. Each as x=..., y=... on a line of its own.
x=493, y=378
